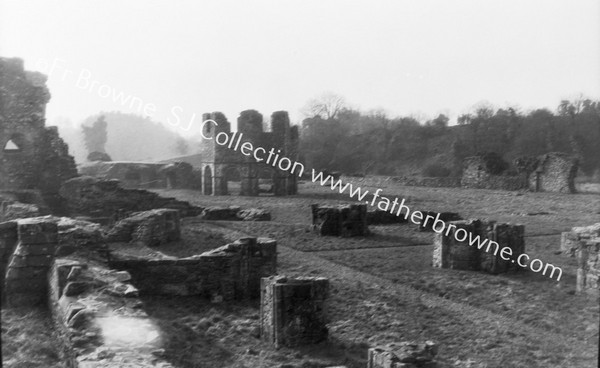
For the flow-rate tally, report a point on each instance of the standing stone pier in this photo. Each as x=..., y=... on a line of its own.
x=293, y=310
x=588, y=271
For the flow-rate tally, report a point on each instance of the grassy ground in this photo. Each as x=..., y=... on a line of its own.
x=384, y=288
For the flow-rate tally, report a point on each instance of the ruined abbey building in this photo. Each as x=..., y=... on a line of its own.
x=34, y=160
x=221, y=164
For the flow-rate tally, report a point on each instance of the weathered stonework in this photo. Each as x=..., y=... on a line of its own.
x=451, y=253
x=91, y=197
x=346, y=220
x=476, y=175
x=571, y=241
x=151, y=228
x=32, y=156
x=588, y=272
x=235, y=213
x=98, y=318
x=230, y=272
x=220, y=162
x=293, y=310
x=403, y=355
x=379, y=217
x=554, y=172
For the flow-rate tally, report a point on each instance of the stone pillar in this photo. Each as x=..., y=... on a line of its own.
x=293, y=310
x=26, y=280
x=588, y=271
x=403, y=355
x=448, y=252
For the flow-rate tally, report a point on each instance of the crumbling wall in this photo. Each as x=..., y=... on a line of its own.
x=477, y=175
x=379, y=217
x=431, y=182
x=571, y=241
x=152, y=228
x=554, y=172
x=588, y=272
x=345, y=220
x=32, y=156
x=235, y=213
x=293, y=310
x=98, y=318
x=448, y=252
x=230, y=272
x=403, y=355
x=91, y=197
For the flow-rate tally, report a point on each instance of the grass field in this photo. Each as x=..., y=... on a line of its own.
x=383, y=288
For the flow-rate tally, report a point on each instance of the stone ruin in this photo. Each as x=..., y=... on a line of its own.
x=403, y=355
x=554, y=172
x=477, y=174
x=293, y=310
x=32, y=156
x=448, y=252
x=584, y=242
x=235, y=213
x=221, y=164
x=344, y=220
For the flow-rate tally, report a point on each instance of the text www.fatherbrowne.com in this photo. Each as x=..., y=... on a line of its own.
x=383, y=203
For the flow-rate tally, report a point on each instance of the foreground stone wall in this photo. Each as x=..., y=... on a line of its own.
x=226, y=273
x=293, y=310
x=99, y=318
x=346, y=220
x=451, y=253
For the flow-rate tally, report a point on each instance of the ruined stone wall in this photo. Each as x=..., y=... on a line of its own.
x=476, y=175
x=572, y=241
x=403, y=355
x=293, y=311
x=345, y=220
x=220, y=161
x=554, y=172
x=448, y=182
x=588, y=272
x=226, y=273
x=32, y=156
x=152, y=228
x=448, y=252
x=87, y=196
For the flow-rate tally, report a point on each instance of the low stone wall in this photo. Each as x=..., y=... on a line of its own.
x=293, y=310
x=403, y=355
x=379, y=217
x=235, y=213
x=431, y=182
x=87, y=196
x=152, y=228
x=99, y=320
x=230, y=272
x=588, y=272
x=571, y=241
x=451, y=253
x=346, y=220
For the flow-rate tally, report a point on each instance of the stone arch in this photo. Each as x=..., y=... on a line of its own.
x=232, y=180
x=207, y=180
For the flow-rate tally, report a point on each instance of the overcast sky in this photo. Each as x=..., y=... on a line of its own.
x=406, y=57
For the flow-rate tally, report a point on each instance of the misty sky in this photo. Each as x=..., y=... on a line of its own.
x=406, y=57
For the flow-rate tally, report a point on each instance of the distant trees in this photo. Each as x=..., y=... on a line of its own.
x=95, y=136
x=347, y=140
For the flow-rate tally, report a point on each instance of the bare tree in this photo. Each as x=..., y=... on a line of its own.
x=327, y=106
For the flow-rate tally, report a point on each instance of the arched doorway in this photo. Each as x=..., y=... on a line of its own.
x=208, y=183
x=232, y=178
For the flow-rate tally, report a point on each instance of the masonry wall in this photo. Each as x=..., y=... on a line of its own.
x=293, y=310
x=572, y=241
x=588, y=272
x=346, y=220
x=227, y=273
x=41, y=160
x=451, y=253
x=475, y=175
x=554, y=172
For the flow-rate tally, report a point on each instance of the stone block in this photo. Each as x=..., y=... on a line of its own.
x=403, y=355
x=293, y=310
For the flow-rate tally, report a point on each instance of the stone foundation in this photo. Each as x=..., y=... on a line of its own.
x=235, y=213
x=347, y=220
x=293, y=310
x=451, y=253
x=99, y=318
x=231, y=272
x=379, y=217
x=403, y=355
x=588, y=272
x=571, y=241
x=151, y=228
